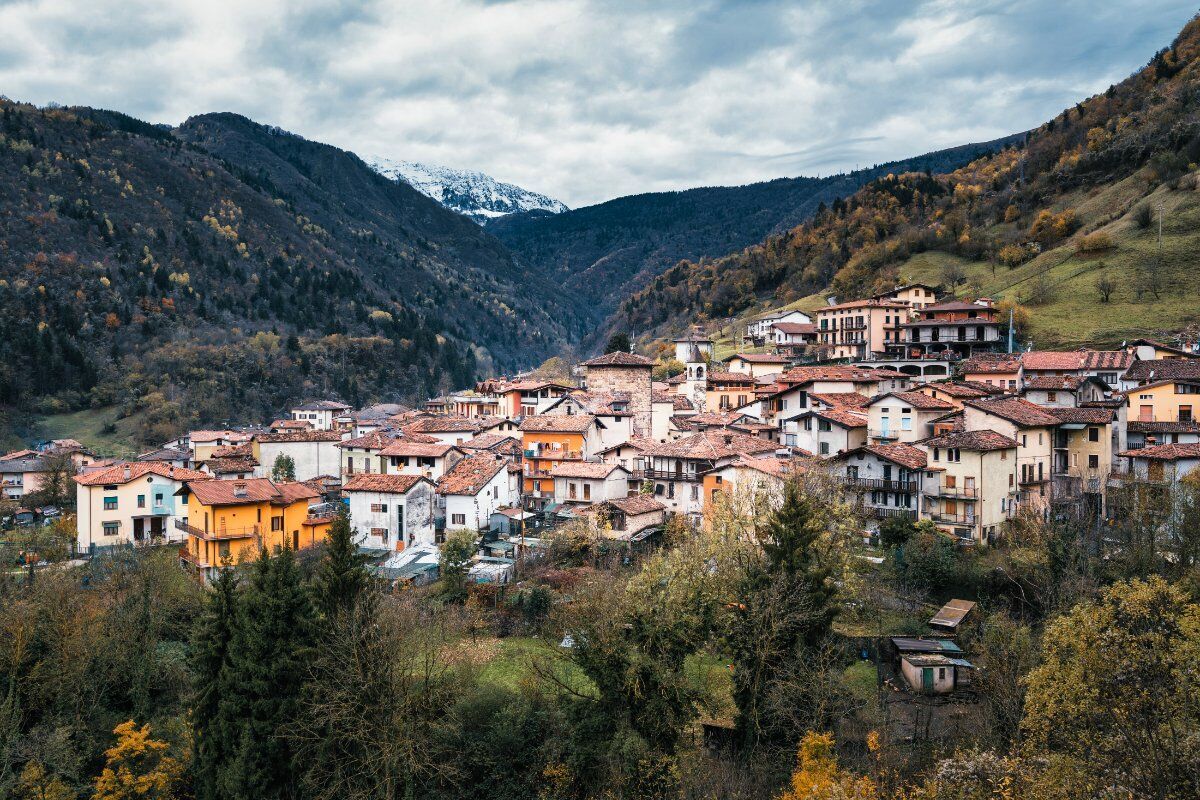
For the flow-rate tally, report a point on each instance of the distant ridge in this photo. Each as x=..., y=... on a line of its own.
x=478, y=196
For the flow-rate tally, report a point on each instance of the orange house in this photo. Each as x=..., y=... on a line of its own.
x=230, y=521
x=728, y=390
x=548, y=439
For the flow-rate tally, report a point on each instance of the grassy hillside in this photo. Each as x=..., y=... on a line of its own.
x=1038, y=223
x=103, y=430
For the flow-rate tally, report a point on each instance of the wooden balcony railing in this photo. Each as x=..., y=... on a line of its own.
x=219, y=533
x=883, y=484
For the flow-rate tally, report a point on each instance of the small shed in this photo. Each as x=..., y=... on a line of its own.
x=933, y=673
x=489, y=569
x=952, y=615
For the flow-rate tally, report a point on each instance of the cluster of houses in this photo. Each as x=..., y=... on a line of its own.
x=921, y=415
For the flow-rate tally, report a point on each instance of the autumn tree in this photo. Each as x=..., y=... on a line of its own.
x=138, y=767
x=1105, y=286
x=818, y=777
x=1117, y=690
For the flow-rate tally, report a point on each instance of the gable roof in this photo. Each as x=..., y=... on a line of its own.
x=1086, y=415
x=843, y=417
x=1163, y=369
x=618, y=359
x=1164, y=452
x=971, y=440
x=558, y=423
x=845, y=400
x=471, y=474
x=409, y=448
x=990, y=364
x=838, y=372
x=960, y=390
x=1016, y=410
x=905, y=455
x=139, y=469
x=321, y=405
x=918, y=400
x=711, y=444
x=395, y=484
x=215, y=492
x=584, y=469
x=793, y=328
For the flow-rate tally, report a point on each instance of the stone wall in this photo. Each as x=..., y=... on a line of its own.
x=631, y=379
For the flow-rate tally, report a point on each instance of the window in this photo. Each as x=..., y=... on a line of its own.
x=1093, y=434
x=112, y=528
x=277, y=523
x=382, y=533
x=223, y=549
x=571, y=491
x=110, y=504
x=1093, y=461
x=158, y=499
x=141, y=501
x=587, y=491
x=378, y=508
x=1051, y=397
x=1185, y=413
x=824, y=450
x=458, y=519
x=823, y=425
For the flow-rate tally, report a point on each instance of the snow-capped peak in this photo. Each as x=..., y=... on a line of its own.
x=479, y=196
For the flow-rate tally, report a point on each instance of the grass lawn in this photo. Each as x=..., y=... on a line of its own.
x=512, y=660
x=90, y=427
x=859, y=678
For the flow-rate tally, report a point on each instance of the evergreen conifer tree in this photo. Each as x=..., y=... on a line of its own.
x=269, y=654
x=341, y=578
x=213, y=739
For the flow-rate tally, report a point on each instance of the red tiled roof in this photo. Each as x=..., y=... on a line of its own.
x=558, y=423
x=213, y=492
x=631, y=506
x=405, y=447
x=1085, y=415
x=1135, y=426
x=762, y=358
x=792, y=328
x=838, y=372
x=618, y=359
x=711, y=444
x=375, y=440
x=839, y=416
x=1164, y=369
x=721, y=376
x=213, y=436
x=299, y=436
x=917, y=400
x=445, y=425
x=397, y=484
x=1051, y=383
x=584, y=469
x=1052, y=360
x=231, y=465
x=958, y=389
x=116, y=473
x=990, y=364
x=471, y=474
x=841, y=399
x=903, y=454
x=1164, y=452
x=1016, y=410
x=776, y=467
x=1108, y=359
x=863, y=304
x=971, y=440
x=233, y=451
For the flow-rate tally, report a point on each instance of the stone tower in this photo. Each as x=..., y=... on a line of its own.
x=625, y=372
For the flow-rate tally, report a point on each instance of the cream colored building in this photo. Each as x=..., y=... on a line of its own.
x=972, y=483
x=130, y=504
x=859, y=328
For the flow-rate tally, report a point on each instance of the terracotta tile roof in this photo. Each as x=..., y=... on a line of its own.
x=1164, y=369
x=1085, y=415
x=376, y=440
x=677, y=401
x=299, y=436
x=957, y=305
x=291, y=424
x=638, y=504
x=213, y=492
x=794, y=328
x=903, y=454
x=1163, y=427
x=1164, y=452
x=841, y=399
x=1051, y=383
x=231, y=465
x=917, y=400
x=471, y=474
x=838, y=372
x=762, y=358
x=1108, y=359
x=990, y=364
x=233, y=451
x=202, y=437
x=838, y=416
x=954, y=418
x=446, y=425
x=602, y=402
x=396, y=484
x=491, y=441
x=636, y=442
x=775, y=467
x=116, y=473
x=971, y=440
x=618, y=359
x=558, y=423
x=711, y=444
x=321, y=405
x=584, y=469
x=1016, y=410
x=721, y=376
x=959, y=390
x=408, y=448
x=1052, y=360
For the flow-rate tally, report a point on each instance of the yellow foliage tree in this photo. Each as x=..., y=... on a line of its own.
x=138, y=768
x=817, y=776
x=36, y=783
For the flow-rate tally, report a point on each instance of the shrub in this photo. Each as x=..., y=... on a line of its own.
x=1143, y=215
x=1013, y=255
x=1094, y=243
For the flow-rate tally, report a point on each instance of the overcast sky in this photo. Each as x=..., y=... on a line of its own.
x=586, y=101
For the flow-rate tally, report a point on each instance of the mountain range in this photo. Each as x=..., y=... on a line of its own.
x=478, y=196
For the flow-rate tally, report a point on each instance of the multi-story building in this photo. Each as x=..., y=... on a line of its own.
x=1033, y=428
x=586, y=482
x=230, y=522
x=312, y=452
x=914, y=295
x=756, y=364
x=130, y=504
x=430, y=459
x=758, y=330
x=1169, y=400
x=1002, y=370
x=1064, y=391
x=1106, y=366
x=859, y=328
x=677, y=468
x=549, y=439
x=626, y=373
x=826, y=430
x=886, y=478
x=320, y=413
x=972, y=487
x=391, y=512
x=1083, y=458
x=477, y=487
x=954, y=329
x=793, y=339
x=903, y=416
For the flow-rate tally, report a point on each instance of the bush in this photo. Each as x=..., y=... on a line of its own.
x=1013, y=255
x=1143, y=215
x=1094, y=243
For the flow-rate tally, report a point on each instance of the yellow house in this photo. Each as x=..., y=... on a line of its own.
x=1164, y=401
x=230, y=521
x=1083, y=457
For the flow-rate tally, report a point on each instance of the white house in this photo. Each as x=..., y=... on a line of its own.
x=391, y=512
x=433, y=460
x=131, y=503
x=759, y=328
x=589, y=482
x=319, y=413
x=313, y=452
x=476, y=487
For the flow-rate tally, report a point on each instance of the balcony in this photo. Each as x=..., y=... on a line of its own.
x=884, y=436
x=882, y=484
x=552, y=454
x=245, y=532
x=966, y=492
x=671, y=475
x=953, y=519
x=1031, y=480
x=879, y=512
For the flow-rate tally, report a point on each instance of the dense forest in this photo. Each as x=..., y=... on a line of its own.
x=223, y=268
x=604, y=252
x=1002, y=209
x=727, y=663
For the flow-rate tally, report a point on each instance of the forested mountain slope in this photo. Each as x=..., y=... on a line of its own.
x=1041, y=224
x=601, y=253
x=220, y=269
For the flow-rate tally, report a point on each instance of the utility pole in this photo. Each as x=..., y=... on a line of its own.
x=1010, y=330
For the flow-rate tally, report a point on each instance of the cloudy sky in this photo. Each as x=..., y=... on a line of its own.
x=590, y=100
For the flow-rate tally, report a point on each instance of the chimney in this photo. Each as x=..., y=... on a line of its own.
x=239, y=489
x=127, y=472
x=728, y=438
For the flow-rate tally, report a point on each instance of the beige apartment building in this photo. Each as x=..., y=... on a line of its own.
x=859, y=328
x=971, y=489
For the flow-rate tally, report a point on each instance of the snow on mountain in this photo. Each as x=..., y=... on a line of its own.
x=479, y=196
